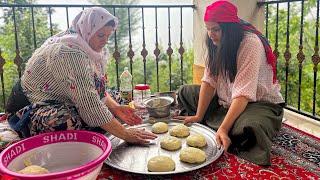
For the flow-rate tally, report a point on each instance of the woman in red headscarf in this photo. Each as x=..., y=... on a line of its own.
x=239, y=95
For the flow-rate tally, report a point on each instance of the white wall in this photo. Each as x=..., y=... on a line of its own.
x=247, y=10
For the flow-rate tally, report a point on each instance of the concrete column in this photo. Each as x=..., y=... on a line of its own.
x=247, y=10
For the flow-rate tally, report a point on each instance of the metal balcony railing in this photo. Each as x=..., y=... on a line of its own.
x=14, y=17
x=292, y=26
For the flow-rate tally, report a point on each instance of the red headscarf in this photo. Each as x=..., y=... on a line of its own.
x=223, y=11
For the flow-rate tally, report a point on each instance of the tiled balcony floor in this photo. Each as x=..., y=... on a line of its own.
x=303, y=123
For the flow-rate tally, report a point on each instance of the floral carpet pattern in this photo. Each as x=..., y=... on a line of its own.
x=295, y=155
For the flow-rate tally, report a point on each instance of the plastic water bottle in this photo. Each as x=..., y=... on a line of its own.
x=126, y=86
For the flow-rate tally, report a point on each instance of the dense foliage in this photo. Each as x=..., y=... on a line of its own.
x=27, y=46
x=42, y=32
x=308, y=43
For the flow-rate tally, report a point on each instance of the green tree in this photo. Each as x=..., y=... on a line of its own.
x=123, y=27
x=42, y=31
x=151, y=73
x=25, y=36
x=138, y=71
x=308, y=50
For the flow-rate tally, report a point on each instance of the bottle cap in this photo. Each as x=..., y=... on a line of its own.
x=141, y=87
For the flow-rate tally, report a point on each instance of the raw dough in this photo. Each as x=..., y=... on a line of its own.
x=196, y=140
x=161, y=164
x=192, y=155
x=180, y=130
x=170, y=143
x=33, y=169
x=159, y=127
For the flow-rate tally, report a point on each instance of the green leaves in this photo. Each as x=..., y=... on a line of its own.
x=25, y=36
x=151, y=70
x=309, y=29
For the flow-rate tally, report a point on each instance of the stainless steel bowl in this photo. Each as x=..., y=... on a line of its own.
x=172, y=94
x=159, y=107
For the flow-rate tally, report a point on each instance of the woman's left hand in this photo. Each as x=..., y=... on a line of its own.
x=223, y=139
x=126, y=114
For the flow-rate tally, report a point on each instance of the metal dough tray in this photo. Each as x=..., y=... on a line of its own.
x=134, y=158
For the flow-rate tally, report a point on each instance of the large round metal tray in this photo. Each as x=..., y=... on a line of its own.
x=134, y=158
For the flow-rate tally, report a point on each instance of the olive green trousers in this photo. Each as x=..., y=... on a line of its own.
x=252, y=132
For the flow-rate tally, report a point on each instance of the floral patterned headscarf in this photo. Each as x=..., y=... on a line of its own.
x=84, y=26
x=89, y=21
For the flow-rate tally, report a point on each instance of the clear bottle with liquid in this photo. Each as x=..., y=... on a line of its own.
x=126, y=86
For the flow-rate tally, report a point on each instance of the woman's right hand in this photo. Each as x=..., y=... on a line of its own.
x=138, y=136
x=189, y=119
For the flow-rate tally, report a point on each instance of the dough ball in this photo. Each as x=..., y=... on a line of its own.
x=180, y=130
x=196, y=140
x=33, y=169
x=170, y=143
x=159, y=127
x=161, y=164
x=192, y=155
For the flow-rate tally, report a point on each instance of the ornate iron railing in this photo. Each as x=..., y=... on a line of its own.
x=297, y=22
x=116, y=54
x=287, y=35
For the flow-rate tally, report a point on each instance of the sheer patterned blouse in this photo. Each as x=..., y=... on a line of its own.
x=254, y=79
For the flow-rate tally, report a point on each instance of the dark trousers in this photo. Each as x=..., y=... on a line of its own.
x=252, y=132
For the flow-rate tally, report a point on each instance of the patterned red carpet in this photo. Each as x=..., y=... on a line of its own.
x=295, y=155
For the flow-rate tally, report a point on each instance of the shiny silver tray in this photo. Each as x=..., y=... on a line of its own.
x=134, y=158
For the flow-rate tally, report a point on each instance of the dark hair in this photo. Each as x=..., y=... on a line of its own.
x=222, y=59
x=111, y=23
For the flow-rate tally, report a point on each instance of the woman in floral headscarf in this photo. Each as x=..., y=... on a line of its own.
x=63, y=86
x=239, y=95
